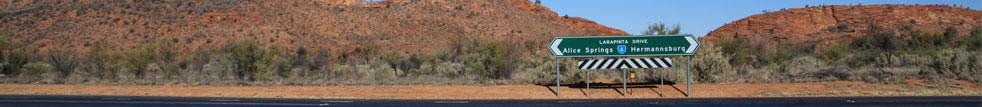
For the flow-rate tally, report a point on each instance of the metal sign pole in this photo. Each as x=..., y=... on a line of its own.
x=587, y=82
x=557, y=76
x=688, y=80
x=661, y=76
x=624, y=80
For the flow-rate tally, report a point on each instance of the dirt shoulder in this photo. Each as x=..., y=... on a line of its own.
x=497, y=91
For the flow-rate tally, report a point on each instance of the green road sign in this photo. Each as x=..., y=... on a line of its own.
x=609, y=46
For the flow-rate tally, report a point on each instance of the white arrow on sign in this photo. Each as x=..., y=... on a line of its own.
x=692, y=48
x=555, y=47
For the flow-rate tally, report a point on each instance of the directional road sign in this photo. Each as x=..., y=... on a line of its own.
x=611, y=46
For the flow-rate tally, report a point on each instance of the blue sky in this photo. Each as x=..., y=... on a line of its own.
x=698, y=17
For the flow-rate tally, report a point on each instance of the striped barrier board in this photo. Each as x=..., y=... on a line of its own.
x=625, y=63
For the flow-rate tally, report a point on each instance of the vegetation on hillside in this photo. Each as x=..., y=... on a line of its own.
x=882, y=57
x=879, y=57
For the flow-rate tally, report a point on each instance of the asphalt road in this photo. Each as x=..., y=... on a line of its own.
x=129, y=101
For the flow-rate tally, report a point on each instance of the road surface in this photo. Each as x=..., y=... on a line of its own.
x=126, y=101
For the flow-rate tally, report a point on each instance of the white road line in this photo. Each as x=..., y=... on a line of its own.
x=116, y=98
x=222, y=100
x=575, y=101
x=337, y=101
x=456, y=102
x=147, y=102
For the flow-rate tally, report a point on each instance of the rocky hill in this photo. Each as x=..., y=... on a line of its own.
x=405, y=26
x=831, y=24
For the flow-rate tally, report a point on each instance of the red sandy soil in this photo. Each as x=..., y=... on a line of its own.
x=842, y=88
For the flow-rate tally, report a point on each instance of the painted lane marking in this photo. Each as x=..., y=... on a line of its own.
x=116, y=98
x=455, y=102
x=337, y=101
x=222, y=100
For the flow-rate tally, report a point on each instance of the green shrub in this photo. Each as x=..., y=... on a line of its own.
x=710, y=65
x=907, y=27
x=62, y=61
x=255, y=62
x=35, y=69
x=14, y=55
x=834, y=53
x=950, y=32
x=843, y=27
x=739, y=50
x=491, y=58
x=221, y=68
x=974, y=41
x=246, y=54
x=977, y=31
x=5, y=45
x=879, y=41
x=136, y=60
x=16, y=59
x=965, y=65
x=102, y=62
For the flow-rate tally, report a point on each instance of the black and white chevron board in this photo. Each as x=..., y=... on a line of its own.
x=625, y=63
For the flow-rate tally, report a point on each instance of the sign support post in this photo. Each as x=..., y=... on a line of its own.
x=587, y=82
x=624, y=81
x=557, y=76
x=688, y=80
x=661, y=76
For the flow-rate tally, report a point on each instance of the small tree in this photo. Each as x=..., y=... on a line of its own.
x=661, y=29
x=950, y=32
x=843, y=27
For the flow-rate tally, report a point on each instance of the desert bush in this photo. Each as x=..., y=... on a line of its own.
x=782, y=53
x=800, y=65
x=492, y=59
x=880, y=41
x=973, y=41
x=13, y=55
x=62, y=61
x=738, y=49
x=359, y=55
x=255, y=62
x=907, y=27
x=309, y=66
x=17, y=58
x=222, y=68
x=842, y=27
x=101, y=63
x=5, y=46
x=275, y=67
x=710, y=65
x=834, y=53
x=661, y=29
x=950, y=32
x=964, y=65
x=136, y=60
x=35, y=69
x=538, y=70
